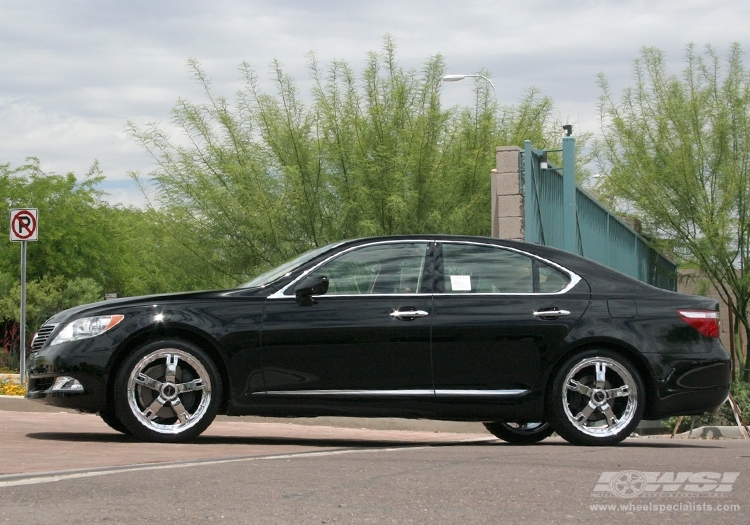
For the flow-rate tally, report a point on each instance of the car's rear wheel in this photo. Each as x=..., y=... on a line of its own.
x=109, y=417
x=597, y=398
x=167, y=391
x=524, y=433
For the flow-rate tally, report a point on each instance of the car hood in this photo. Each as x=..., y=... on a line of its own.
x=112, y=306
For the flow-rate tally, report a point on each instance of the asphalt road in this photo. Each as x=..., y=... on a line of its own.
x=70, y=468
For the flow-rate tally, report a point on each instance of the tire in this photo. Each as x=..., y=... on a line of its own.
x=597, y=398
x=520, y=433
x=167, y=391
x=115, y=424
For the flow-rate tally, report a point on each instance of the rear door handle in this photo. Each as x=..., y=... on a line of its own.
x=408, y=315
x=549, y=314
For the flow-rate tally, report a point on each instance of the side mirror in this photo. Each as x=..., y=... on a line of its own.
x=313, y=285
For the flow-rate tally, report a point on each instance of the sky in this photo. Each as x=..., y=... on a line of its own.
x=74, y=72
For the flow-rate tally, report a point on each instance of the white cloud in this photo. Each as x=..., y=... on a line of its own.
x=72, y=73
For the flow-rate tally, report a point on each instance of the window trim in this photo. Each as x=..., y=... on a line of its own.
x=433, y=272
x=574, y=278
x=428, y=271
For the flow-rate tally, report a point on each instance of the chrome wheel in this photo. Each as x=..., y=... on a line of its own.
x=600, y=397
x=155, y=387
x=167, y=391
x=597, y=399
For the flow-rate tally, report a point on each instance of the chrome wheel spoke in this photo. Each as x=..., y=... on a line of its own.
x=169, y=376
x=195, y=384
x=576, y=386
x=147, y=381
x=153, y=408
x=601, y=372
x=584, y=414
x=179, y=410
x=611, y=418
x=623, y=391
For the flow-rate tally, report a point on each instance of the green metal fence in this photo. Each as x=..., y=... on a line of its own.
x=560, y=213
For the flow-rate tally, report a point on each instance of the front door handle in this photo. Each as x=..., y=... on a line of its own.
x=408, y=315
x=550, y=314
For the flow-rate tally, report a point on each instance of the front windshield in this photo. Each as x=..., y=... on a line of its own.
x=286, y=268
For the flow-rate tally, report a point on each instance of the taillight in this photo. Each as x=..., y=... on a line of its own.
x=705, y=321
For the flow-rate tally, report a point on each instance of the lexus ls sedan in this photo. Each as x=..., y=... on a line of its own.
x=527, y=339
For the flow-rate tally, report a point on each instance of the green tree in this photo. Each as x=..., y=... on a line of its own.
x=47, y=296
x=270, y=175
x=676, y=149
x=71, y=242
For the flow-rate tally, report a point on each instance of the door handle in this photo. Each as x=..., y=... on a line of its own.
x=408, y=315
x=554, y=312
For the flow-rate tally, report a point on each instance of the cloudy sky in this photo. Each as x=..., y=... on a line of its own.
x=72, y=72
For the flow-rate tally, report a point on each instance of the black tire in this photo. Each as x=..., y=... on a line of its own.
x=115, y=424
x=597, y=398
x=520, y=433
x=167, y=391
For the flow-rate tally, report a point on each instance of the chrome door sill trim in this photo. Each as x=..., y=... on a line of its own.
x=441, y=392
x=417, y=392
x=391, y=393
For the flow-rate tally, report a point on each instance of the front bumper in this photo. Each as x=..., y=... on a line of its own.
x=60, y=385
x=68, y=376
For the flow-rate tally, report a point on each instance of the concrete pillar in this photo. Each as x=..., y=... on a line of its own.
x=507, y=197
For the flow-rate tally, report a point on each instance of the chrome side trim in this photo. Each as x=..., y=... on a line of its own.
x=274, y=296
x=391, y=393
x=481, y=393
x=415, y=392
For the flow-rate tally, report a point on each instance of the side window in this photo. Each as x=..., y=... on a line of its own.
x=551, y=279
x=380, y=269
x=471, y=268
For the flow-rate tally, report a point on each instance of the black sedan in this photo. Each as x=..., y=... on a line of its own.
x=525, y=338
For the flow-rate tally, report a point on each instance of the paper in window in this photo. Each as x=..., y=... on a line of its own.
x=461, y=283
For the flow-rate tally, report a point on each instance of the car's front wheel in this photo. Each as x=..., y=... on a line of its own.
x=167, y=391
x=524, y=433
x=597, y=398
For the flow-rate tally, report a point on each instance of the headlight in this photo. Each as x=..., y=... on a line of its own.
x=86, y=327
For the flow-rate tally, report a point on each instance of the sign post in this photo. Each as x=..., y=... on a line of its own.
x=23, y=228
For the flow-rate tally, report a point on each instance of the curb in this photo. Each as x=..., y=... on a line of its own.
x=723, y=432
x=16, y=378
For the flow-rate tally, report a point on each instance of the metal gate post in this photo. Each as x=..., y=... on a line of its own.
x=529, y=206
x=570, y=233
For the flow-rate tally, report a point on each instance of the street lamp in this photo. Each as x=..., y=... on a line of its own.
x=456, y=78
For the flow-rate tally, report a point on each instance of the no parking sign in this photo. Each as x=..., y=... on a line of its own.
x=24, y=227
x=24, y=224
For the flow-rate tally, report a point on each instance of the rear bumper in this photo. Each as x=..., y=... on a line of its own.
x=691, y=387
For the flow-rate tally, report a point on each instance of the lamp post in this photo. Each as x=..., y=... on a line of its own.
x=456, y=78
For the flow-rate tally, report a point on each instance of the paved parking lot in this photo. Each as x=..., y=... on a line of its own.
x=71, y=468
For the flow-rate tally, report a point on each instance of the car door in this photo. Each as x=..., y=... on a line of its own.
x=497, y=314
x=368, y=336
